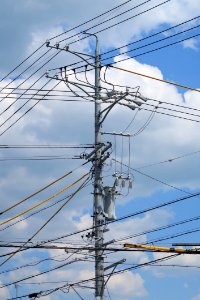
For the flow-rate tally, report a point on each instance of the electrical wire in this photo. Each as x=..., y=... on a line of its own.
x=142, y=39
x=80, y=146
x=159, y=228
x=22, y=62
x=123, y=21
x=134, y=214
x=42, y=202
x=19, y=76
x=30, y=108
x=42, y=189
x=169, y=160
x=86, y=22
x=156, y=179
x=50, y=291
x=49, y=219
x=147, y=52
x=158, y=79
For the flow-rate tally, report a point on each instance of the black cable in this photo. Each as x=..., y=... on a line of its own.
x=86, y=22
x=32, y=84
x=115, y=25
x=156, y=179
x=169, y=160
x=156, y=49
x=18, y=76
x=163, y=204
x=169, y=237
x=125, y=20
x=159, y=228
x=39, y=274
x=38, y=158
x=103, y=22
x=22, y=62
x=154, y=42
x=26, y=112
x=29, y=99
x=81, y=146
x=144, y=53
x=50, y=291
x=145, y=38
x=46, y=223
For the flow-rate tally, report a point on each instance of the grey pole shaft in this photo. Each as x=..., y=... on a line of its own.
x=98, y=201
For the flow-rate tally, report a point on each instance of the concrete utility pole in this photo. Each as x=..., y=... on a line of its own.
x=98, y=187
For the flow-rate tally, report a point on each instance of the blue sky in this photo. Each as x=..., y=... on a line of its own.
x=24, y=26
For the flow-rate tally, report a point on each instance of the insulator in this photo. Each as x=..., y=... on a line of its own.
x=130, y=184
x=47, y=43
x=116, y=183
x=123, y=183
x=57, y=45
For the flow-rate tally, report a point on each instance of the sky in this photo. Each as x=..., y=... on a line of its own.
x=164, y=149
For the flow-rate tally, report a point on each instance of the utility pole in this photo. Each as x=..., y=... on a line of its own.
x=98, y=187
x=103, y=197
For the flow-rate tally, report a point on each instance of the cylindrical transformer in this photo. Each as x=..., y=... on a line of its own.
x=109, y=203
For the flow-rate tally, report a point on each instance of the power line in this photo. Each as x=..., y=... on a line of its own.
x=22, y=62
x=86, y=22
x=80, y=146
x=134, y=214
x=158, y=79
x=159, y=228
x=142, y=39
x=49, y=220
x=143, y=53
x=125, y=20
x=12, y=124
x=42, y=189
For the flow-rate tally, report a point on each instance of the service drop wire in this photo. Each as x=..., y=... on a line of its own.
x=57, y=211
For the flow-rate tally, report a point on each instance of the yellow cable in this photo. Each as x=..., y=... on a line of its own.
x=155, y=78
x=44, y=201
x=54, y=214
x=37, y=192
x=161, y=249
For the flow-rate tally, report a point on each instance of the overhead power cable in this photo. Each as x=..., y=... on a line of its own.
x=75, y=27
x=41, y=190
x=175, y=235
x=36, y=212
x=81, y=146
x=30, y=108
x=49, y=220
x=137, y=41
x=42, y=202
x=19, y=76
x=103, y=22
x=86, y=22
x=134, y=214
x=39, y=158
x=143, y=53
x=159, y=228
x=22, y=62
x=50, y=291
x=169, y=160
x=120, y=22
x=155, y=78
x=154, y=179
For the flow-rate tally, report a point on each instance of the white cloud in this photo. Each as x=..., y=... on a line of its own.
x=191, y=43
x=127, y=286
x=197, y=297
